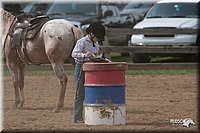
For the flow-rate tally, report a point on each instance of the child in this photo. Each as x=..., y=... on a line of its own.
x=85, y=48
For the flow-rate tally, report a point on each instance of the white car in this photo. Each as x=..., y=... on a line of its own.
x=167, y=14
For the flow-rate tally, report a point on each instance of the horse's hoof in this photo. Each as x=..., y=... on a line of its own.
x=19, y=106
x=56, y=110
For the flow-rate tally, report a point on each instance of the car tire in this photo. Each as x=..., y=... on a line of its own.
x=140, y=58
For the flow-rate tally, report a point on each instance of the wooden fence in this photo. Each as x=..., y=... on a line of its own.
x=129, y=31
x=141, y=49
x=151, y=49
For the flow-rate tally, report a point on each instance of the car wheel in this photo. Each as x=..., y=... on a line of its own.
x=140, y=58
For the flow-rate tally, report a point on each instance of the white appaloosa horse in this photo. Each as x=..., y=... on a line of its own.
x=53, y=43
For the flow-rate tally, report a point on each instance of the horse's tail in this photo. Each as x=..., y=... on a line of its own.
x=77, y=33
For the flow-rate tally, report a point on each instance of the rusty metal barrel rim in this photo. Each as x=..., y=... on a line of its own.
x=100, y=105
x=105, y=66
x=104, y=85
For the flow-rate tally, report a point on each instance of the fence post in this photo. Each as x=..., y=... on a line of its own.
x=106, y=43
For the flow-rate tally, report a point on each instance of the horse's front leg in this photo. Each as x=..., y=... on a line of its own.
x=14, y=70
x=21, y=85
x=60, y=73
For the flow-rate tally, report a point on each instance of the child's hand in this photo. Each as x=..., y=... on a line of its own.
x=89, y=54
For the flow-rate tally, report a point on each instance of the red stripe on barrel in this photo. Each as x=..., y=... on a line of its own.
x=105, y=73
x=105, y=77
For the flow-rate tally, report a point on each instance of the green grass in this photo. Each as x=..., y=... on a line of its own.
x=117, y=57
x=158, y=72
x=38, y=73
x=161, y=59
x=128, y=72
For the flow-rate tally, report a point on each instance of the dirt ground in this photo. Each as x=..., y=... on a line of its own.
x=152, y=103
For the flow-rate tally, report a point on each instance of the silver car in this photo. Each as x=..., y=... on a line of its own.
x=138, y=8
x=165, y=14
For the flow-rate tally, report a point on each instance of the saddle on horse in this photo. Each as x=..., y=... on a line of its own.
x=24, y=30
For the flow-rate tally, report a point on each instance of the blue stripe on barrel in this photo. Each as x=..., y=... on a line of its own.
x=104, y=95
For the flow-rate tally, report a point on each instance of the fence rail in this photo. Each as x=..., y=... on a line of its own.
x=160, y=31
x=151, y=49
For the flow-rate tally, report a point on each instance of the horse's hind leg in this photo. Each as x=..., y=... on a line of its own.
x=60, y=73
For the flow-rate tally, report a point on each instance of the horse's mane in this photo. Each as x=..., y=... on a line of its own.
x=7, y=20
x=7, y=15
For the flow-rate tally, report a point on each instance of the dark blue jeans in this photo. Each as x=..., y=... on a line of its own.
x=80, y=91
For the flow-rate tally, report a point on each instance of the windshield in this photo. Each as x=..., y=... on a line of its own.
x=134, y=5
x=73, y=8
x=33, y=8
x=174, y=10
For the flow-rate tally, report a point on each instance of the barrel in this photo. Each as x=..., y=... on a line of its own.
x=104, y=102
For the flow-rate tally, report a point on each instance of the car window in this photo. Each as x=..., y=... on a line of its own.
x=28, y=8
x=105, y=8
x=73, y=8
x=35, y=7
x=135, y=5
x=146, y=5
x=174, y=10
